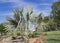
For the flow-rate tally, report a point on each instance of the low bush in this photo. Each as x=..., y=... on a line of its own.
x=14, y=36
x=18, y=33
x=33, y=34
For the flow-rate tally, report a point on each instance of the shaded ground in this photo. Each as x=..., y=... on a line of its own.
x=8, y=40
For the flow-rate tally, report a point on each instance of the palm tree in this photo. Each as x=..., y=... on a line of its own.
x=21, y=22
x=16, y=17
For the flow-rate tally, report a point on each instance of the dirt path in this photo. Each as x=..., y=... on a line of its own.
x=40, y=39
x=37, y=39
x=31, y=40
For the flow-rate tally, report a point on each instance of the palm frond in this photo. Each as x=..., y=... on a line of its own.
x=12, y=22
x=16, y=15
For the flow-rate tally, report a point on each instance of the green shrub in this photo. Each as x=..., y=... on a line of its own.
x=18, y=33
x=14, y=36
x=1, y=39
x=30, y=35
x=33, y=34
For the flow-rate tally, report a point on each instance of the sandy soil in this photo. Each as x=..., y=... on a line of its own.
x=31, y=40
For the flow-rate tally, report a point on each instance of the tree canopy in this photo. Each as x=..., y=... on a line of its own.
x=56, y=12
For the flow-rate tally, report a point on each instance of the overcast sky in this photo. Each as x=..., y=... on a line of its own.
x=7, y=6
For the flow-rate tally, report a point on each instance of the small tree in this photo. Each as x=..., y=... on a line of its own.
x=2, y=29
